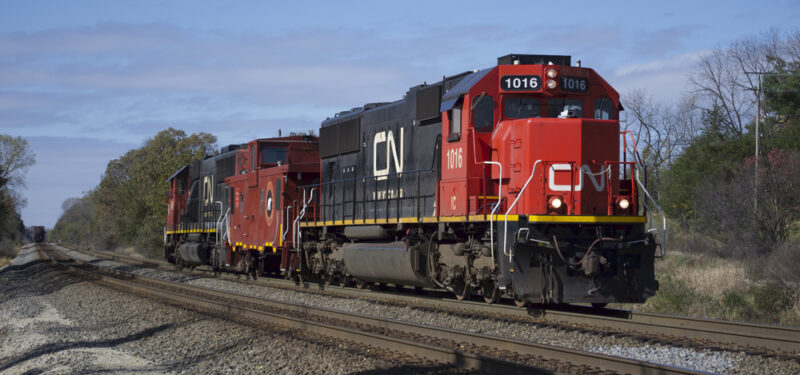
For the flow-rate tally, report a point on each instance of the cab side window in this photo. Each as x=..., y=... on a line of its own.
x=483, y=113
x=603, y=109
x=455, y=122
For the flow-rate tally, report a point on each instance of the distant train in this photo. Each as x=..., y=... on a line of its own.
x=513, y=180
x=39, y=234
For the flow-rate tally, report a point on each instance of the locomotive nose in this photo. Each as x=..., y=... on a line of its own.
x=574, y=173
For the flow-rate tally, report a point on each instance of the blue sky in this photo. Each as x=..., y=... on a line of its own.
x=85, y=81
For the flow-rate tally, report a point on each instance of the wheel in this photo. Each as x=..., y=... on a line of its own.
x=344, y=281
x=361, y=284
x=520, y=302
x=328, y=279
x=491, y=293
x=599, y=305
x=462, y=290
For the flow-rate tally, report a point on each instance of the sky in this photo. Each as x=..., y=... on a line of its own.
x=85, y=81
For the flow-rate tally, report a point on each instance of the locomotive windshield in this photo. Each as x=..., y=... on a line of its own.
x=273, y=155
x=563, y=107
x=521, y=107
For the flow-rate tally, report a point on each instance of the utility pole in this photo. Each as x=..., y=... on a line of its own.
x=758, y=136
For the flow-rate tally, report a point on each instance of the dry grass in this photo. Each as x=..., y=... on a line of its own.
x=4, y=261
x=714, y=277
x=708, y=286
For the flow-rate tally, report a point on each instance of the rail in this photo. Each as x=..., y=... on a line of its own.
x=388, y=334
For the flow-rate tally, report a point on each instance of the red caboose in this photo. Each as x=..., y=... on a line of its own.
x=263, y=201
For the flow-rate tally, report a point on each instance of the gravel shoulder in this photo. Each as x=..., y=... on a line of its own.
x=52, y=322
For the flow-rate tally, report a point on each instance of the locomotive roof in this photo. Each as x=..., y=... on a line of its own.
x=177, y=173
x=462, y=87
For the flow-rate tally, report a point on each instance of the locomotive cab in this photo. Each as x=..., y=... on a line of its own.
x=534, y=145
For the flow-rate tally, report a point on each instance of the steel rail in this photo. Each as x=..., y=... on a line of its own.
x=740, y=334
x=442, y=355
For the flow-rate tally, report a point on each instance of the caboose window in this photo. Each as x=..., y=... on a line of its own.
x=483, y=113
x=562, y=107
x=272, y=155
x=521, y=107
x=603, y=109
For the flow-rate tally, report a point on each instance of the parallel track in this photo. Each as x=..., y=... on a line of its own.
x=372, y=331
x=749, y=336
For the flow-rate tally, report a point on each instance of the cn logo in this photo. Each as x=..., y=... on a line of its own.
x=599, y=183
x=391, y=150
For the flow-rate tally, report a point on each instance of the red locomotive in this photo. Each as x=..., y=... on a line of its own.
x=506, y=180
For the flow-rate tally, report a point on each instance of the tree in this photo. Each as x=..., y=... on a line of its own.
x=661, y=131
x=15, y=159
x=129, y=203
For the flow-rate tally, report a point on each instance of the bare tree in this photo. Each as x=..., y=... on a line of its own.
x=722, y=79
x=15, y=158
x=662, y=131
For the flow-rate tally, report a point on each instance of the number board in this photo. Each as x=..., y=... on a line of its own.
x=575, y=84
x=521, y=83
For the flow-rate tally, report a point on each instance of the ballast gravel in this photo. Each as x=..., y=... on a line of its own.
x=56, y=323
x=714, y=361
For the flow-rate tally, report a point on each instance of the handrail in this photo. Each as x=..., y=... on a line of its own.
x=663, y=216
x=496, y=206
x=219, y=221
x=505, y=219
x=320, y=184
x=283, y=235
x=296, y=239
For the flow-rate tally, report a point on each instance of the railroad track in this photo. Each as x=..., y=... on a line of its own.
x=755, y=338
x=459, y=349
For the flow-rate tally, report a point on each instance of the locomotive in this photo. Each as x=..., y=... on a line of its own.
x=39, y=233
x=512, y=180
x=227, y=211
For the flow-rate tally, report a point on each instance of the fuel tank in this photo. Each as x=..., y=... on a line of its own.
x=391, y=262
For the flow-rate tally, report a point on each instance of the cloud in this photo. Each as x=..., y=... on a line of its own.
x=665, y=79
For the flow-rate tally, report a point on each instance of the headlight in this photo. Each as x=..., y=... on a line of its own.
x=555, y=203
x=551, y=84
x=552, y=73
x=624, y=204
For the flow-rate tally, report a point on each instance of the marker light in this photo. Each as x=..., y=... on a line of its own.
x=555, y=203
x=552, y=73
x=624, y=204
x=551, y=84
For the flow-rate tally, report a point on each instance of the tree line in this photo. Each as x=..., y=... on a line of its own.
x=128, y=206
x=701, y=152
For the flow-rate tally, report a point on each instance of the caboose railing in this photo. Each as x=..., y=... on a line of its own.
x=222, y=226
